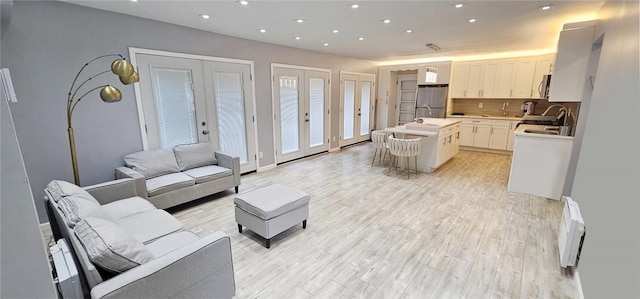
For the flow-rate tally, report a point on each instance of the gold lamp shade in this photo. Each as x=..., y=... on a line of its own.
x=110, y=94
x=122, y=68
x=126, y=80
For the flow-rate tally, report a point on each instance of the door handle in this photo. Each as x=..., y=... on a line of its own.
x=205, y=132
x=306, y=120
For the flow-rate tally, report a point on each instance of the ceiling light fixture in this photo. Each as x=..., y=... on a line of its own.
x=409, y=31
x=206, y=17
x=300, y=20
x=244, y=2
x=134, y=0
x=325, y=44
x=263, y=30
x=297, y=38
x=360, y=38
x=335, y=31
x=459, y=5
x=386, y=21
x=546, y=7
x=432, y=71
x=472, y=20
x=355, y=5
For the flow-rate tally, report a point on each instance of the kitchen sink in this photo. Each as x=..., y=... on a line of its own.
x=544, y=132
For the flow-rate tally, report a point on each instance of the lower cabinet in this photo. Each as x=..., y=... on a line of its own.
x=512, y=135
x=448, y=144
x=499, y=134
x=486, y=133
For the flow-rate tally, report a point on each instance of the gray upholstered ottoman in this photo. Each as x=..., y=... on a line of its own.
x=270, y=210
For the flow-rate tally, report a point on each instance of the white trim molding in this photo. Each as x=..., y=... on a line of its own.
x=266, y=168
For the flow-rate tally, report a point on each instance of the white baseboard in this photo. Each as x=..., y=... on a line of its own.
x=335, y=149
x=43, y=225
x=576, y=280
x=266, y=168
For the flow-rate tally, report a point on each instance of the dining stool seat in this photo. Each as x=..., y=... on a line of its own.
x=404, y=148
x=379, y=140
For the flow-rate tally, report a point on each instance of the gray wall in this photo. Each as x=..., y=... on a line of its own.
x=25, y=270
x=47, y=42
x=608, y=169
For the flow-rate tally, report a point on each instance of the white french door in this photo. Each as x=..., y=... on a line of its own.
x=228, y=94
x=188, y=100
x=357, y=109
x=301, y=112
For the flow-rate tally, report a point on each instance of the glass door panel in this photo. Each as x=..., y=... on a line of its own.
x=348, y=110
x=289, y=114
x=365, y=107
x=317, y=112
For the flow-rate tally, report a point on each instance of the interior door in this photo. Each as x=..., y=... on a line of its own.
x=301, y=107
x=407, y=85
x=172, y=100
x=228, y=95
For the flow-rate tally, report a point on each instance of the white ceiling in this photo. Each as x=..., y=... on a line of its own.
x=501, y=26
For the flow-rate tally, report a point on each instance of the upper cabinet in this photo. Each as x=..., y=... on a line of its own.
x=498, y=79
x=570, y=70
x=544, y=66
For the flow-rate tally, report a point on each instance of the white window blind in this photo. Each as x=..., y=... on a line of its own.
x=175, y=106
x=316, y=111
x=231, y=117
x=349, y=107
x=365, y=107
x=289, y=121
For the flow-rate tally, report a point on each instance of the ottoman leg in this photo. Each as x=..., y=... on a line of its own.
x=236, y=189
x=304, y=223
x=240, y=228
x=268, y=243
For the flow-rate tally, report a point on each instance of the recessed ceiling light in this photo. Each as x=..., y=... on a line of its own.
x=472, y=20
x=355, y=5
x=459, y=5
x=297, y=37
x=263, y=30
x=409, y=30
x=546, y=7
x=335, y=31
x=386, y=21
x=134, y=0
x=206, y=17
x=244, y=2
x=360, y=38
x=325, y=44
x=299, y=20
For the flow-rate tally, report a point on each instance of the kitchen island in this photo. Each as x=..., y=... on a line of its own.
x=440, y=140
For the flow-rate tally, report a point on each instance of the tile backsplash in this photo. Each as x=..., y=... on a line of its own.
x=493, y=107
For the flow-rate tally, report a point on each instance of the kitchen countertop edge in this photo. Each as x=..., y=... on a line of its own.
x=486, y=117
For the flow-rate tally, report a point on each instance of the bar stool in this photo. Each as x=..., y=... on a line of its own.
x=379, y=140
x=404, y=148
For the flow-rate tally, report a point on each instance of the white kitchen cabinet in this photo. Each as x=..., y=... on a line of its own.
x=499, y=134
x=458, y=88
x=382, y=99
x=523, y=79
x=475, y=133
x=544, y=65
x=570, y=69
x=504, y=80
x=490, y=77
x=474, y=84
x=481, y=138
x=448, y=145
x=512, y=136
x=467, y=133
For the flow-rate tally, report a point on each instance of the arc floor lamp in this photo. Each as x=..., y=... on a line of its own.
x=109, y=94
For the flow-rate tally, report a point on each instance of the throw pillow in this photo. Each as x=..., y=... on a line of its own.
x=59, y=189
x=75, y=209
x=195, y=155
x=109, y=246
x=153, y=163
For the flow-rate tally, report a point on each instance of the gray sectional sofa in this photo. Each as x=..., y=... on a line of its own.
x=124, y=247
x=169, y=177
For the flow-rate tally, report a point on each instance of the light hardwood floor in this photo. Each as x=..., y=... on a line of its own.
x=455, y=233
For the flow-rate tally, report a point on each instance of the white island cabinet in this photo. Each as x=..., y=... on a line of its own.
x=440, y=140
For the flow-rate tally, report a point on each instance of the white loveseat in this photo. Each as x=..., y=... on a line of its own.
x=169, y=177
x=124, y=247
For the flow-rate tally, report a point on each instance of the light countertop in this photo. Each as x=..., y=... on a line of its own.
x=485, y=117
x=520, y=131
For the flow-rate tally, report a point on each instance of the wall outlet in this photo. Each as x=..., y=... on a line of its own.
x=334, y=138
x=261, y=155
x=480, y=105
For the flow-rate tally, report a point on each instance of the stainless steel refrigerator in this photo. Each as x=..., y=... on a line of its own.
x=431, y=100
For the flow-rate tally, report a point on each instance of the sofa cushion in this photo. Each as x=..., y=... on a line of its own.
x=129, y=206
x=153, y=163
x=58, y=189
x=195, y=155
x=109, y=246
x=149, y=226
x=208, y=173
x=75, y=209
x=168, y=182
x=171, y=242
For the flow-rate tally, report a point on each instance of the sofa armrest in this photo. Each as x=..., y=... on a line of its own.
x=232, y=162
x=123, y=172
x=202, y=269
x=111, y=191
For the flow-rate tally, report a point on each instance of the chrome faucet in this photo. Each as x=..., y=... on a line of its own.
x=562, y=108
x=429, y=108
x=505, y=105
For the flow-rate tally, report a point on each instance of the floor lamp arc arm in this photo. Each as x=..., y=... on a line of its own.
x=72, y=107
